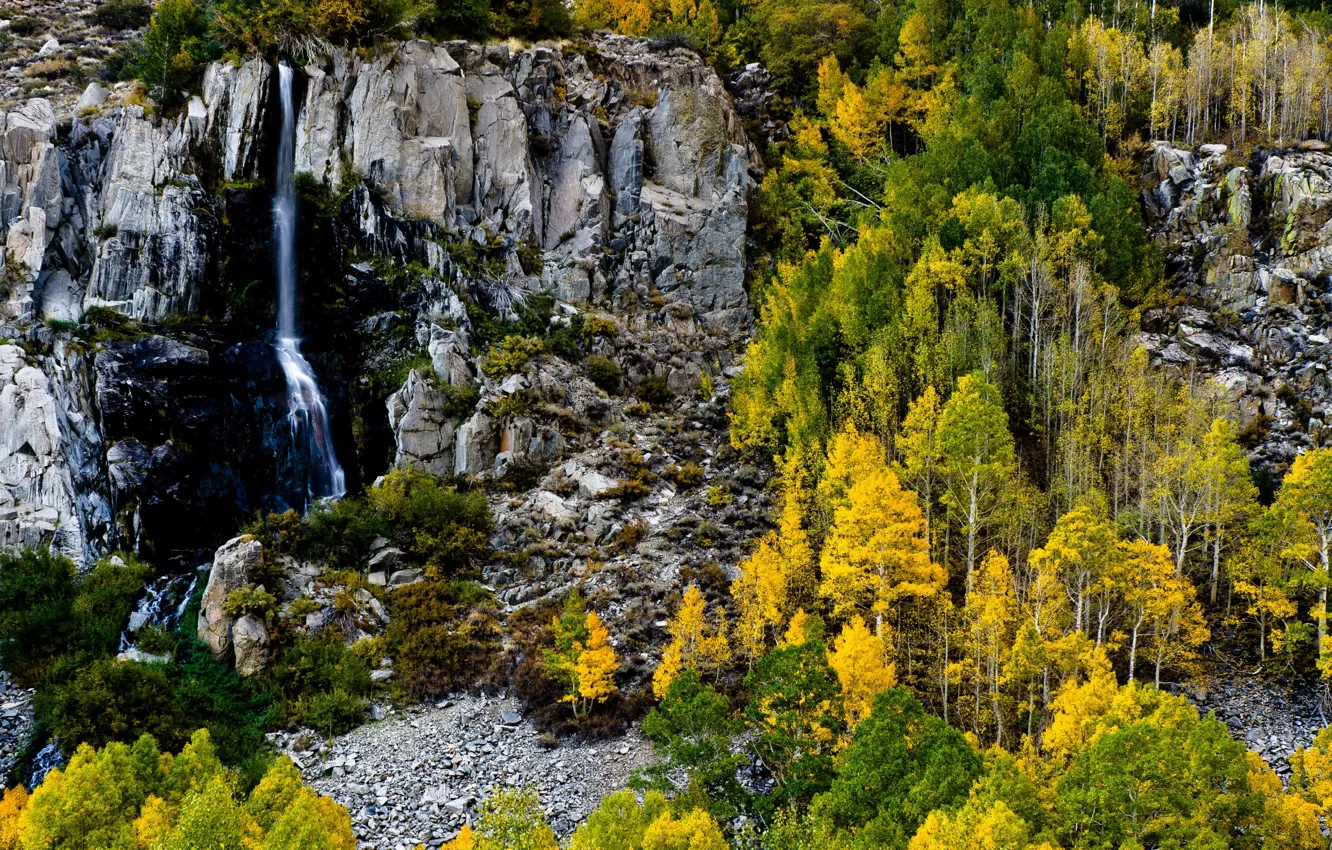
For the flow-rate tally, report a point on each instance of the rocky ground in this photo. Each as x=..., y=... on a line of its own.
x=1271, y=716
x=52, y=50
x=419, y=775
x=15, y=723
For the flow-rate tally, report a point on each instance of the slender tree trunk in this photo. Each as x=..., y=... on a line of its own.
x=1133, y=648
x=971, y=524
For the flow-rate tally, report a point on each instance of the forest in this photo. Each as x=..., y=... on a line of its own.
x=1006, y=540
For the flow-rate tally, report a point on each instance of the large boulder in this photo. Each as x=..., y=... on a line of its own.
x=250, y=638
x=424, y=428
x=233, y=564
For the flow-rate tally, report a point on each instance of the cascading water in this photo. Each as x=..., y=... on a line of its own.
x=312, y=439
x=163, y=605
x=47, y=759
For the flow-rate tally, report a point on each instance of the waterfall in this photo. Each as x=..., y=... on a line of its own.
x=312, y=439
x=163, y=605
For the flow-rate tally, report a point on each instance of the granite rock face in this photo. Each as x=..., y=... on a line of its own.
x=617, y=175
x=1248, y=243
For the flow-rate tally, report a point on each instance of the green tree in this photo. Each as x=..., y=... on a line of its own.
x=901, y=765
x=171, y=50
x=795, y=708
x=691, y=730
x=978, y=457
x=1154, y=774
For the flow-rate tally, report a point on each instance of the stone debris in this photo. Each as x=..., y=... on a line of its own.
x=420, y=775
x=16, y=723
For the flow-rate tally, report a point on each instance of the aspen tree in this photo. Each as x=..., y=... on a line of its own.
x=694, y=644
x=860, y=660
x=978, y=457
x=1306, y=501
x=876, y=554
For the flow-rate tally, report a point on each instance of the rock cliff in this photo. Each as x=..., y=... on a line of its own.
x=1246, y=241
x=441, y=185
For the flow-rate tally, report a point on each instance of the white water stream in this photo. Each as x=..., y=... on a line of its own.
x=310, y=433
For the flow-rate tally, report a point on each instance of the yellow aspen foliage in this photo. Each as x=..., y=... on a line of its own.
x=920, y=449
x=693, y=830
x=1074, y=555
x=860, y=659
x=991, y=611
x=274, y=793
x=797, y=564
x=155, y=827
x=1078, y=703
x=707, y=22
x=832, y=81
x=464, y=840
x=855, y=124
x=694, y=644
x=1311, y=771
x=760, y=597
x=1163, y=606
x=619, y=822
x=851, y=457
x=596, y=666
x=876, y=554
x=672, y=662
x=802, y=629
x=1306, y=498
x=970, y=828
x=1288, y=820
x=915, y=56
x=807, y=142
x=11, y=808
x=312, y=822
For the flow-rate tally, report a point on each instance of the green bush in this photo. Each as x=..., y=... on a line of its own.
x=604, y=373
x=250, y=600
x=117, y=15
x=436, y=526
x=26, y=25
x=654, y=391
x=443, y=530
x=314, y=665
x=440, y=636
x=235, y=711
x=36, y=607
x=333, y=712
x=47, y=611
x=511, y=355
x=114, y=701
x=155, y=640
x=103, y=600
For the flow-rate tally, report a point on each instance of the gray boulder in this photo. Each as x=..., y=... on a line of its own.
x=250, y=638
x=233, y=563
